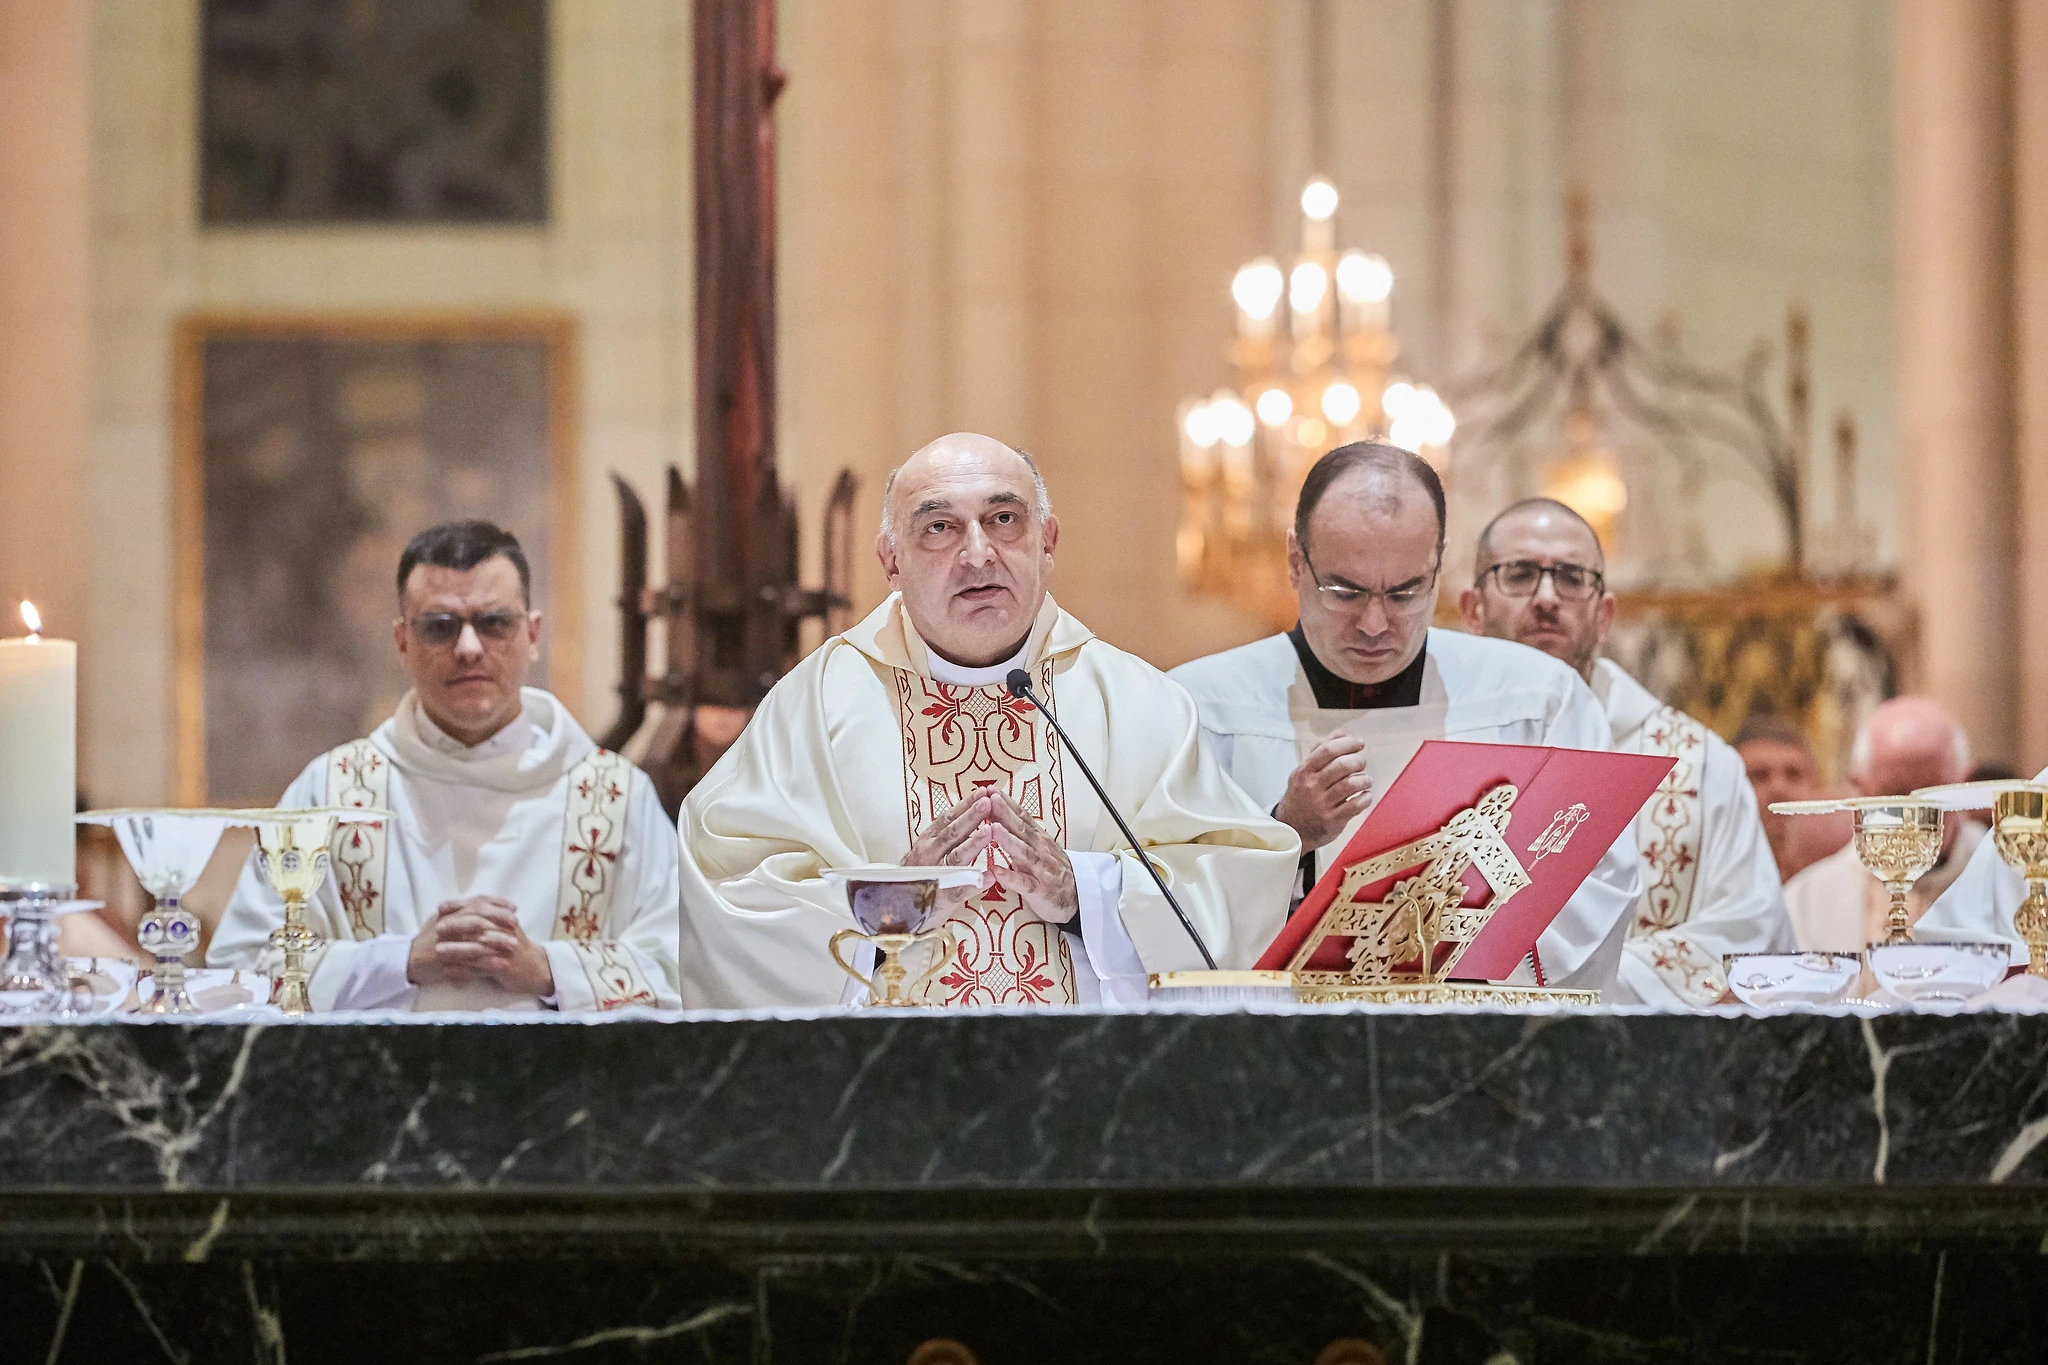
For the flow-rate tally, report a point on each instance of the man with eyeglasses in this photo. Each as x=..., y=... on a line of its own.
x=899, y=742
x=527, y=867
x=1312, y=722
x=1710, y=884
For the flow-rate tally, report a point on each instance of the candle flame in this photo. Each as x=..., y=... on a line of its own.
x=31, y=618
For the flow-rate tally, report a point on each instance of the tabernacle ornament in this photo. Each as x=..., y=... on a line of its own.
x=1441, y=894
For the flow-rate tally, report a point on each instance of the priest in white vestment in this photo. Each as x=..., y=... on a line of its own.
x=898, y=743
x=1710, y=882
x=1904, y=745
x=1313, y=721
x=526, y=868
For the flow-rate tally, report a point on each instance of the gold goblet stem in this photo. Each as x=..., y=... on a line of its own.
x=1898, y=915
x=294, y=939
x=2030, y=921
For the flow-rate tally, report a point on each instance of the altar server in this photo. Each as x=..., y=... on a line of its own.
x=1710, y=884
x=898, y=743
x=526, y=868
x=1905, y=744
x=1311, y=721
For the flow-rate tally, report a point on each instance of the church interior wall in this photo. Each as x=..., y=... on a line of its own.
x=1021, y=217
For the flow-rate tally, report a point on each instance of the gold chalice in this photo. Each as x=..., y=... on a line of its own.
x=1898, y=841
x=896, y=907
x=292, y=849
x=2019, y=830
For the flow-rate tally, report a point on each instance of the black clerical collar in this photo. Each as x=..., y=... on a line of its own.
x=1341, y=694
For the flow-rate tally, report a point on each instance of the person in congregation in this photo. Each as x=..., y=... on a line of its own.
x=526, y=867
x=1780, y=762
x=1710, y=884
x=1903, y=745
x=1309, y=721
x=898, y=743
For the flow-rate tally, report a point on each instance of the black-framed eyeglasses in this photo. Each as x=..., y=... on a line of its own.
x=1524, y=578
x=443, y=628
x=1403, y=599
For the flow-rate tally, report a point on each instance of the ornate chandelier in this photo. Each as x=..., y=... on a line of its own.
x=1317, y=377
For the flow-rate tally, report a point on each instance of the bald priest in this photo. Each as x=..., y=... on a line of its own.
x=527, y=867
x=898, y=743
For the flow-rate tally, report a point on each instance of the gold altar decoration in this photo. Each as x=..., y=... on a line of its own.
x=1422, y=914
x=1897, y=839
x=2019, y=830
x=1618, y=423
x=1819, y=655
x=292, y=850
x=1313, y=368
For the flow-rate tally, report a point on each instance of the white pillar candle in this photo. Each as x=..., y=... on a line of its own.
x=38, y=760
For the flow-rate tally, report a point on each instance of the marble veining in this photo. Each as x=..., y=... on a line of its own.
x=1070, y=1100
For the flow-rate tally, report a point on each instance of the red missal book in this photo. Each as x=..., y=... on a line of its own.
x=1573, y=804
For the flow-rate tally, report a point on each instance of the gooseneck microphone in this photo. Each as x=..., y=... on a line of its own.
x=1019, y=683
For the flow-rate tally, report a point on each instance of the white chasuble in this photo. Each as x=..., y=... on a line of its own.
x=1710, y=885
x=1260, y=718
x=537, y=815
x=872, y=737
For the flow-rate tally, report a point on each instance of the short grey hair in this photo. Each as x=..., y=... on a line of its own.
x=1041, y=499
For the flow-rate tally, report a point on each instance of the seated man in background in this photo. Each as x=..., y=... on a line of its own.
x=1710, y=885
x=1905, y=744
x=527, y=867
x=1781, y=765
x=897, y=742
x=1309, y=721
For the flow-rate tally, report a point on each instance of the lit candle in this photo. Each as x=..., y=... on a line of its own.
x=38, y=758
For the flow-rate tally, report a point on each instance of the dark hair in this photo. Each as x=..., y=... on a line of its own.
x=464, y=545
x=1765, y=727
x=1375, y=456
x=1483, y=550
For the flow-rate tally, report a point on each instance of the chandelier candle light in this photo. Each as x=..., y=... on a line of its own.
x=1313, y=359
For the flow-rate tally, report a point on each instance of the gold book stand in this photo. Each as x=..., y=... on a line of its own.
x=1396, y=941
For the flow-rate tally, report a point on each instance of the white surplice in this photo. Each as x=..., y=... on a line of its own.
x=1710, y=884
x=1981, y=903
x=1260, y=718
x=593, y=872
x=1834, y=902
x=867, y=741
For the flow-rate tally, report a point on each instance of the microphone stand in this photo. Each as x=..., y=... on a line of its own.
x=1019, y=683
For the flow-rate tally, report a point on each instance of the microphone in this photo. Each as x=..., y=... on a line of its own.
x=1019, y=683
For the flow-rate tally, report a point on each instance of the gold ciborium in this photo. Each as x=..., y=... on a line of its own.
x=895, y=907
x=2019, y=830
x=292, y=848
x=1897, y=839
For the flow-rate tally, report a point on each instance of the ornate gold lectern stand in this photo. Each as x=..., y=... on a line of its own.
x=1405, y=945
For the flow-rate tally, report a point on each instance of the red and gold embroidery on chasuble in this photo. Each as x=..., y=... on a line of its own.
x=594, y=835
x=958, y=741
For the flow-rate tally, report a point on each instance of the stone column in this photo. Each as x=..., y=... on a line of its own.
x=1952, y=131
x=45, y=309
x=2030, y=303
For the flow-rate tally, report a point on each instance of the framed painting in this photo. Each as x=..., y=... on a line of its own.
x=308, y=451
x=373, y=111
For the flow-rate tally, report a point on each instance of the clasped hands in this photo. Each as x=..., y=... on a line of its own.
x=1040, y=872
x=479, y=939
